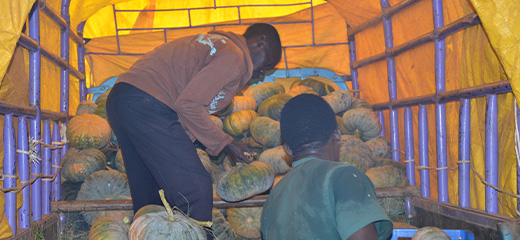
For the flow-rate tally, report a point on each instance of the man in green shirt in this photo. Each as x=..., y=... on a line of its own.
x=320, y=198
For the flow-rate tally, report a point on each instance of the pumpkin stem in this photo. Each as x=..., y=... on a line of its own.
x=171, y=216
x=126, y=221
x=202, y=223
x=357, y=133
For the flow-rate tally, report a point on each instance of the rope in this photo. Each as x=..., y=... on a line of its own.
x=33, y=156
x=490, y=185
x=47, y=178
x=476, y=173
x=442, y=168
x=436, y=168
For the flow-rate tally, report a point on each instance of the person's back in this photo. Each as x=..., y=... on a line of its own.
x=320, y=198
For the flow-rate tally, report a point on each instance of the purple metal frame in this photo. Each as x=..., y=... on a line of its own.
x=382, y=121
x=34, y=100
x=46, y=169
x=23, y=169
x=9, y=170
x=440, y=79
x=81, y=66
x=464, y=153
x=518, y=166
x=392, y=87
x=354, y=71
x=491, y=159
x=424, y=157
x=409, y=154
x=437, y=35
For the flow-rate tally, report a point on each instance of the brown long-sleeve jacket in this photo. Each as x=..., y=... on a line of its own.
x=195, y=76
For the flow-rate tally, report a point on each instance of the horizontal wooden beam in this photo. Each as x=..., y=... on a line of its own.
x=256, y=201
x=499, y=87
x=30, y=112
x=464, y=215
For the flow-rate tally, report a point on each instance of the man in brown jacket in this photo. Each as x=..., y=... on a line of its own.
x=162, y=104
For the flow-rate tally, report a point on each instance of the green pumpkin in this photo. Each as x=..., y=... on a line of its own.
x=339, y=100
x=387, y=176
x=250, y=142
x=113, y=138
x=69, y=190
x=222, y=230
x=379, y=162
x=339, y=123
x=110, y=153
x=263, y=91
x=120, y=164
x=166, y=224
x=350, y=140
x=245, y=221
x=277, y=159
x=103, y=96
x=380, y=147
x=88, y=131
x=362, y=123
x=217, y=121
x=430, y=233
x=151, y=208
x=109, y=227
x=237, y=123
x=244, y=181
x=129, y=214
x=86, y=107
x=360, y=103
x=156, y=225
x=237, y=104
x=295, y=91
x=210, y=167
x=359, y=156
x=78, y=165
x=101, y=109
x=321, y=85
x=266, y=131
x=395, y=208
x=390, y=175
x=103, y=185
x=272, y=107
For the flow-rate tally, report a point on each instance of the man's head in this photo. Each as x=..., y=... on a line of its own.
x=308, y=125
x=264, y=46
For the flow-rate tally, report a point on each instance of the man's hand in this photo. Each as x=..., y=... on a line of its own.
x=239, y=152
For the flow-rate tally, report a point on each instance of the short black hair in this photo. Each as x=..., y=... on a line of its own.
x=273, y=38
x=307, y=122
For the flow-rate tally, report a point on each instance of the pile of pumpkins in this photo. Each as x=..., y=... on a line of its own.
x=252, y=118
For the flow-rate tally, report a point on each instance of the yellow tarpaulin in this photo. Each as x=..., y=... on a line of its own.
x=501, y=20
x=14, y=14
x=328, y=25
